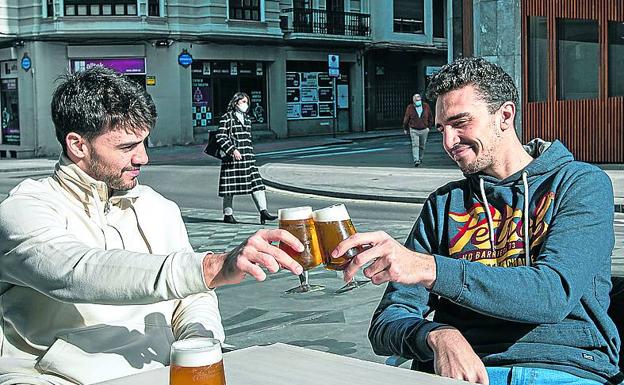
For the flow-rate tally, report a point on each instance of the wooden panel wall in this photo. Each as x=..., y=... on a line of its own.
x=593, y=129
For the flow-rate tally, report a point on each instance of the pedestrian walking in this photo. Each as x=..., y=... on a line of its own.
x=416, y=122
x=239, y=174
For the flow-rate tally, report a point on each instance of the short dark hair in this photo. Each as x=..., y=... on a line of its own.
x=493, y=84
x=97, y=100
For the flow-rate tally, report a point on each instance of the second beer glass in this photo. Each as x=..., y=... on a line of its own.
x=196, y=361
x=333, y=225
x=298, y=221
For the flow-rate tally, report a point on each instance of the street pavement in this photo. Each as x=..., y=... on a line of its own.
x=260, y=313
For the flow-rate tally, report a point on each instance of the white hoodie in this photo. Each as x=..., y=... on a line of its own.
x=95, y=287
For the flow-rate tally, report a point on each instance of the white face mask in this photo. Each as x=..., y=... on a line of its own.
x=243, y=107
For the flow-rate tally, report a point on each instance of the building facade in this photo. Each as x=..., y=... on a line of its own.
x=191, y=56
x=566, y=60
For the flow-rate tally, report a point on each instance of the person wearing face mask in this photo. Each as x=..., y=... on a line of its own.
x=416, y=122
x=239, y=174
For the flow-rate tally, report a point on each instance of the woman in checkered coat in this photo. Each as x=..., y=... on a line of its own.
x=239, y=174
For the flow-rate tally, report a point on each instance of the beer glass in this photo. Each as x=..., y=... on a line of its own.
x=298, y=221
x=333, y=225
x=196, y=361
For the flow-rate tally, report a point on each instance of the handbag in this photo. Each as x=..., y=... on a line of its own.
x=214, y=149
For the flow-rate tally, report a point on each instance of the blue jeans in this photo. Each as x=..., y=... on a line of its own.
x=534, y=376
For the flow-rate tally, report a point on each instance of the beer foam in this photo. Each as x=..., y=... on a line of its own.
x=295, y=213
x=195, y=352
x=331, y=214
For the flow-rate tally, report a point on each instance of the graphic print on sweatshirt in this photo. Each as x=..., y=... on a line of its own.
x=472, y=238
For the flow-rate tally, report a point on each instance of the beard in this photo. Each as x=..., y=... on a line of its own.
x=98, y=170
x=485, y=158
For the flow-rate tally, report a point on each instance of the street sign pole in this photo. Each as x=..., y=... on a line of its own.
x=335, y=123
x=333, y=64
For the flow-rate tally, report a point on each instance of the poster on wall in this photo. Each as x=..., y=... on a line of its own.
x=343, y=96
x=324, y=80
x=9, y=115
x=326, y=95
x=293, y=110
x=326, y=110
x=202, y=106
x=309, y=110
x=309, y=95
x=309, y=79
x=257, y=113
x=292, y=79
x=292, y=95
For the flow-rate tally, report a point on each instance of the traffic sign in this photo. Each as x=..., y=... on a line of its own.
x=185, y=59
x=334, y=73
x=333, y=61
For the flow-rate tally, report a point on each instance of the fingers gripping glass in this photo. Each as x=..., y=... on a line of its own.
x=298, y=221
x=333, y=225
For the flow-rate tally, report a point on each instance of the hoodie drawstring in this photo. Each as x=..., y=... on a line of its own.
x=488, y=215
x=527, y=244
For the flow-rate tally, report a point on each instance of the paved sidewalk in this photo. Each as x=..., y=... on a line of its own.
x=411, y=185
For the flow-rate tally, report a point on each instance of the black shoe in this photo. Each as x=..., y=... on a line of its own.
x=265, y=216
x=229, y=219
x=416, y=164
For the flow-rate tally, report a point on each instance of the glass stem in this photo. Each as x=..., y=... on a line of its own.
x=303, y=278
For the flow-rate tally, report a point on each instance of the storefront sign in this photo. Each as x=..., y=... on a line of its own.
x=321, y=95
x=26, y=63
x=128, y=66
x=233, y=68
x=185, y=59
x=150, y=80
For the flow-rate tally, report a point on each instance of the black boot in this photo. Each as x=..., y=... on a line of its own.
x=229, y=219
x=265, y=216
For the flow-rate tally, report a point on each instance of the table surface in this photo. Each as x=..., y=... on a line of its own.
x=281, y=364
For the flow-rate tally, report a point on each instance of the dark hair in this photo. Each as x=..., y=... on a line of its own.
x=235, y=99
x=493, y=84
x=97, y=100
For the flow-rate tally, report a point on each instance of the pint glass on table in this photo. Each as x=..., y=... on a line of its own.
x=298, y=221
x=196, y=361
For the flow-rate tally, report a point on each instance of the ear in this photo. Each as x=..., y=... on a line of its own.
x=508, y=112
x=76, y=145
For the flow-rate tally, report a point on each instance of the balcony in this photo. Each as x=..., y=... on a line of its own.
x=323, y=22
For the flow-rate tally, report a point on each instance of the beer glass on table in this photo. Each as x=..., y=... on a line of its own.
x=298, y=221
x=333, y=225
x=196, y=361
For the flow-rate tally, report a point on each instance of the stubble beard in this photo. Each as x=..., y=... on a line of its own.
x=485, y=159
x=99, y=171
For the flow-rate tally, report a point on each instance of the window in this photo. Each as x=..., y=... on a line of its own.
x=153, y=8
x=616, y=58
x=439, y=18
x=100, y=8
x=578, y=55
x=409, y=16
x=245, y=9
x=537, y=59
x=50, y=8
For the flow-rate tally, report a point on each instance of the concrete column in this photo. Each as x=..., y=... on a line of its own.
x=276, y=84
x=356, y=102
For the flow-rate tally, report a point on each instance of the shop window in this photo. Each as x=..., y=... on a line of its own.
x=409, y=16
x=100, y=8
x=537, y=59
x=578, y=55
x=439, y=18
x=9, y=113
x=616, y=58
x=244, y=9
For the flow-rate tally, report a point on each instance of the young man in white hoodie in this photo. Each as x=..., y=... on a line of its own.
x=97, y=275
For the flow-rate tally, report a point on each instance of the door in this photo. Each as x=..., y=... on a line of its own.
x=335, y=17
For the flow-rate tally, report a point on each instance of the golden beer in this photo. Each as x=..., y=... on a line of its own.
x=298, y=221
x=196, y=361
x=333, y=226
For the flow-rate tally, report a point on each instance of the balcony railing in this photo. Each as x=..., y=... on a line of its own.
x=320, y=21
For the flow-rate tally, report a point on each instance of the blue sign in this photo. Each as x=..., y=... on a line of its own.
x=334, y=73
x=26, y=63
x=185, y=59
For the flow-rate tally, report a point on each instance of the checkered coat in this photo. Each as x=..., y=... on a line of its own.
x=242, y=176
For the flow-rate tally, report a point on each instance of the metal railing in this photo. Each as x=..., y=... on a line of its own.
x=320, y=21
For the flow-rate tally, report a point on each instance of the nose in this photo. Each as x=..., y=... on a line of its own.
x=449, y=137
x=140, y=157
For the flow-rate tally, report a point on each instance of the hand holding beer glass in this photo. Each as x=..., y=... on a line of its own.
x=298, y=221
x=334, y=225
x=196, y=361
